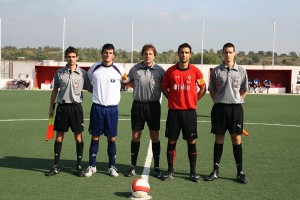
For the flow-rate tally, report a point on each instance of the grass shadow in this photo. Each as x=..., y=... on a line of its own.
x=42, y=165
x=67, y=166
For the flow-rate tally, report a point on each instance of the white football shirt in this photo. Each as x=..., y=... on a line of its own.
x=106, y=81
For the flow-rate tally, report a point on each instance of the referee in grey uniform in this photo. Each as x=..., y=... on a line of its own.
x=227, y=86
x=146, y=78
x=68, y=83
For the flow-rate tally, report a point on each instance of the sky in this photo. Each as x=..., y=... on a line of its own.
x=249, y=24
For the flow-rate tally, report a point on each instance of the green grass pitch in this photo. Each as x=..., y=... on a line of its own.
x=271, y=153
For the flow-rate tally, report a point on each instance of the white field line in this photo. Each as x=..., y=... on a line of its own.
x=17, y=120
x=147, y=165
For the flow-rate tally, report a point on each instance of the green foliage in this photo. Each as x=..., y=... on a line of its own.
x=262, y=53
x=293, y=54
x=255, y=58
x=287, y=62
x=241, y=53
x=167, y=57
x=251, y=53
x=196, y=58
x=269, y=53
x=209, y=57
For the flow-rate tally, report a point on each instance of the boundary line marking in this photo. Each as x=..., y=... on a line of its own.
x=148, y=161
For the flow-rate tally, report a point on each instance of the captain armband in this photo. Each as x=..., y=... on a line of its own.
x=125, y=78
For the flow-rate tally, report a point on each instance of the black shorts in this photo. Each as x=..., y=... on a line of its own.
x=142, y=112
x=185, y=120
x=69, y=115
x=227, y=117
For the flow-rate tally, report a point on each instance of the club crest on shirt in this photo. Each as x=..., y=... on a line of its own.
x=188, y=79
x=155, y=81
x=236, y=83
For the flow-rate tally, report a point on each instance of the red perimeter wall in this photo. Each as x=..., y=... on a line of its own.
x=43, y=73
x=284, y=77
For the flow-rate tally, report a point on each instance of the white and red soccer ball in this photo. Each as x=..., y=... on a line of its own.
x=140, y=188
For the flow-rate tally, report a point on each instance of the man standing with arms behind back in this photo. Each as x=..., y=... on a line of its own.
x=146, y=77
x=227, y=87
x=183, y=85
x=106, y=78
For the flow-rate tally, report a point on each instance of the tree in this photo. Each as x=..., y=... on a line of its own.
x=196, y=58
x=293, y=54
x=255, y=58
x=220, y=51
x=286, y=62
x=211, y=58
x=241, y=53
x=262, y=53
x=250, y=53
x=167, y=57
x=269, y=53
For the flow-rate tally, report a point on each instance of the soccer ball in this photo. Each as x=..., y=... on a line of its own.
x=140, y=188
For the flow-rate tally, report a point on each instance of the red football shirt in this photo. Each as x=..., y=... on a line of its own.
x=182, y=86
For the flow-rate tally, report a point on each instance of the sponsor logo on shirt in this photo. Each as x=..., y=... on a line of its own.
x=181, y=87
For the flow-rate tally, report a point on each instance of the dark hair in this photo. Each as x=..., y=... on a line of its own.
x=149, y=46
x=227, y=45
x=108, y=47
x=185, y=45
x=71, y=50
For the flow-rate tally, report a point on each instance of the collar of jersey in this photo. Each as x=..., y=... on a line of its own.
x=235, y=66
x=182, y=69
x=77, y=70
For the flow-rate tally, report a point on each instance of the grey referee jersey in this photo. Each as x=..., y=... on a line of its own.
x=70, y=85
x=147, y=81
x=227, y=84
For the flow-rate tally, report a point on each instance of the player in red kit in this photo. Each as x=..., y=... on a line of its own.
x=183, y=86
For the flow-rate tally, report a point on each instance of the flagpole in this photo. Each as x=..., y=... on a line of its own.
x=202, y=43
x=273, y=43
x=63, y=40
x=131, y=60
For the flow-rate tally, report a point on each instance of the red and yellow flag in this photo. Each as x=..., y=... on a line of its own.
x=245, y=133
x=50, y=130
